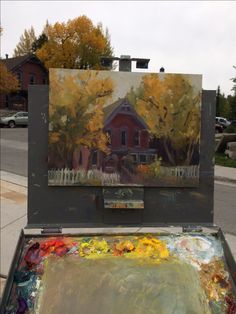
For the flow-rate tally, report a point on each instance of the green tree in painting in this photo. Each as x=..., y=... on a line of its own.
x=76, y=114
x=171, y=110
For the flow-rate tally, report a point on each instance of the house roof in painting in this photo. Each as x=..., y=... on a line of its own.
x=110, y=111
x=110, y=108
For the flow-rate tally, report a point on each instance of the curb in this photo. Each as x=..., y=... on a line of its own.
x=224, y=179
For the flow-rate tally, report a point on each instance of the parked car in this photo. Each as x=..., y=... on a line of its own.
x=219, y=128
x=12, y=119
x=232, y=127
x=223, y=121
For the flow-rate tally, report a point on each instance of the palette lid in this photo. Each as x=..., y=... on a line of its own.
x=148, y=191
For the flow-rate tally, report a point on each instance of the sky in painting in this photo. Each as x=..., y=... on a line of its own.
x=182, y=36
x=132, y=80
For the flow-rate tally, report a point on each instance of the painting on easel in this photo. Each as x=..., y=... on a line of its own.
x=123, y=129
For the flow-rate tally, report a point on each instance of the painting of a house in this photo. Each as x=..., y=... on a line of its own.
x=129, y=142
x=144, y=132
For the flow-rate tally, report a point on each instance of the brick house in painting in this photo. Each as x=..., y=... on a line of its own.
x=129, y=138
x=29, y=70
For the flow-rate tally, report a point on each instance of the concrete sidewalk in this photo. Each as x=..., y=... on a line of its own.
x=14, y=213
x=13, y=202
x=225, y=174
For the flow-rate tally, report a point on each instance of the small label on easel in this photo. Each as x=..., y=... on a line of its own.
x=123, y=198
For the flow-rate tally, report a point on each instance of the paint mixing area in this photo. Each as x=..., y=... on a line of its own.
x=120, y=200
x=129, y=273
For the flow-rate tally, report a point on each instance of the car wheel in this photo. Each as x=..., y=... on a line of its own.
x=11, y=124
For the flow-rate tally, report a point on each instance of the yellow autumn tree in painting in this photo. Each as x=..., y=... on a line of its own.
x=76, y=113
x=171, y=110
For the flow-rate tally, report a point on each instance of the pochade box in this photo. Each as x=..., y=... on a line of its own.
x=120, y=199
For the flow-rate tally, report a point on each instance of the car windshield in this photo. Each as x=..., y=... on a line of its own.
x=8, y=114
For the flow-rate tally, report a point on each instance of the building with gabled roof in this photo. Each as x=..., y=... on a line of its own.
x=29, y=70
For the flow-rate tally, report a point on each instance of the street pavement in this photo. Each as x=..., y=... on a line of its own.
x=14, y=213
x=14, y=150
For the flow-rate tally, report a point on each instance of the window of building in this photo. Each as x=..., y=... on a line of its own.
x=136, y=138
x=45, y=81
x=32, y=79
x=123, y=137
x=7, y=101
x=20, y=78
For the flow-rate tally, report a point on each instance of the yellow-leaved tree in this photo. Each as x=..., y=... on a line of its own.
x=8, y=81
x=76, y=113
x=171, y=109
x=76, y=44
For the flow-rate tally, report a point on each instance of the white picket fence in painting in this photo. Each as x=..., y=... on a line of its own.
x=80, y=176
x=181, y=171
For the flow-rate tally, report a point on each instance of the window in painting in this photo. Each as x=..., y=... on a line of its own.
x=135, y=158
x=142, y=158
x=94, y=158
x=136, y=138
x=80, y=158
x=124, y=137
x=152, y=158
x=126, y=107
x=109, y=135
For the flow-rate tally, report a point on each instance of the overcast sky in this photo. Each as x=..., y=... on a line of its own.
x=182, y=36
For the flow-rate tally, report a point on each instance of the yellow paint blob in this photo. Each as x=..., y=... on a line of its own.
x=93, y=248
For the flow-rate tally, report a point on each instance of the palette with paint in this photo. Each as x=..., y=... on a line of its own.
x=93, y=248
x=129, y=273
